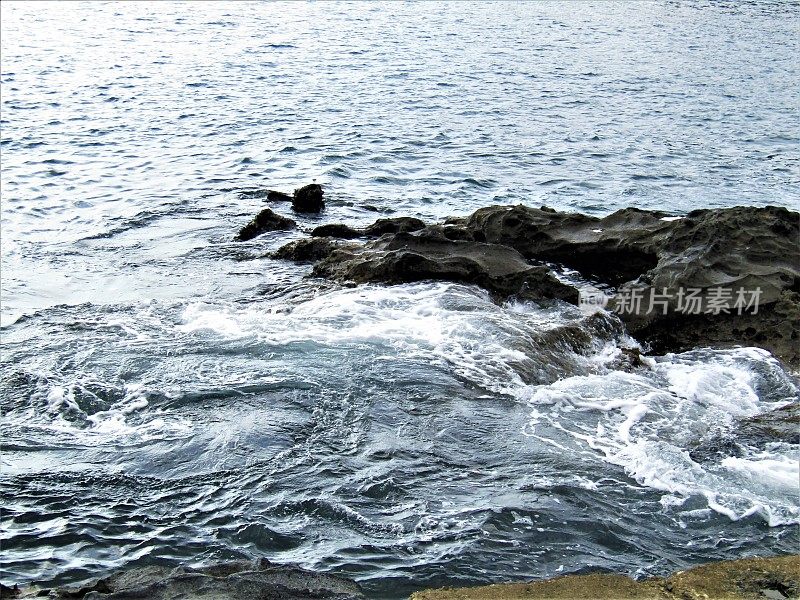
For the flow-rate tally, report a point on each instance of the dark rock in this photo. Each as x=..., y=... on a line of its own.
x=755, y=250
x=748, y=248
x=393, y=225
x=336, y=230
x=779, y=425
x=307, y=249
x=241, y=580
x=715, y=448
x=265, y=221
x=776, y=328
x=637, y=251
x=274, y=196
x=758, y=431
x=308, y=199
x=406, y=257
x=614, y=249
x=377, y=229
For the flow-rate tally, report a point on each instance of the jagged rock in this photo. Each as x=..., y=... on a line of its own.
x=742, y=247
x=406, y=257
x=776, y=328
x=265, y=221
x=646, y=253
x=614, y=249
x=239, y=580
x=336, y=230
x=308, y=199
x=307, y=249
x=393, y=225
x=774, y=577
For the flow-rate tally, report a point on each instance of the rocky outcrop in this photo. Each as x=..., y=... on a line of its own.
x=614, y=249
x=243, y=580
x=308, y=199
x=748, y=578
x=406, y=257
x=776, y=328
x=265, y=221
x=716, y=277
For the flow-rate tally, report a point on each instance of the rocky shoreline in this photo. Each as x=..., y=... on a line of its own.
x=775, y=578
x=717, y=277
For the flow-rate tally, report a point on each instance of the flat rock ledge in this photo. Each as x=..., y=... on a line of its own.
x=717, y=277
x=774, y=578
x=238, y=580
x=407, y=257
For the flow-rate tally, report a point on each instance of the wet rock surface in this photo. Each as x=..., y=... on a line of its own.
x=241, y=580
x=406, y=257
x=266, y=220
x=745, y=253
x=614, y=249
x=377, y=229
x=337, y=230
x=776, y=328
x=749, y=578
x=308, y=199
x=307, y=249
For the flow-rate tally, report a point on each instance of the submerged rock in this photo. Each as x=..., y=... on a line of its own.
x=406, y=257
x=779, y=425
x=308, y=199
x=240, y=580
x=271, y=195
x=265, y=221
x=747, y=578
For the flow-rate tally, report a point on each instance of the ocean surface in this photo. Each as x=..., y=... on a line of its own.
x=172, y=396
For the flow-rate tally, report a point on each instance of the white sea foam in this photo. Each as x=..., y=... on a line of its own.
x=647, y=421
x=454, y=326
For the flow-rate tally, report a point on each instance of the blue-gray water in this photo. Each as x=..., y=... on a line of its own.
x=170, y=395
